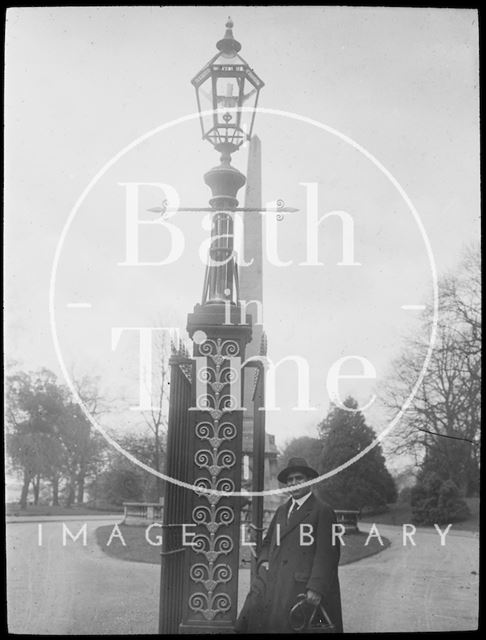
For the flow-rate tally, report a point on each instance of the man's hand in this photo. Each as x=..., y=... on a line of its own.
x=264, y=565
x=313, y=597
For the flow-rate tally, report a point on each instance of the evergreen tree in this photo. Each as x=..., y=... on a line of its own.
x=303, y=447
x=367, y=482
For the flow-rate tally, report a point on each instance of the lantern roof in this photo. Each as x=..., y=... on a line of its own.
x=228, y=44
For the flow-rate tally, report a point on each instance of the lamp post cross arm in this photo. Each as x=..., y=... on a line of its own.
x=163, y=210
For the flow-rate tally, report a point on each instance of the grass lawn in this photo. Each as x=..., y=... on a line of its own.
x=13, y=509
x=401, y=513
x=137, y=548
x=355, y=547
x=397, y=514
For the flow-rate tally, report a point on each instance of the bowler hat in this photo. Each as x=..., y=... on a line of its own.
x=295, y=465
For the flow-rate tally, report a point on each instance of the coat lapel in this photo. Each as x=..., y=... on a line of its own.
x=297, y=516
x=282, y=516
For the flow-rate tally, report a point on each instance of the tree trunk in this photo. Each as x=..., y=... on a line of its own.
x=25, y=491
x=71, y=493
x=159, y=486
x=55, y=491
x=36, y=486
x=80, y=496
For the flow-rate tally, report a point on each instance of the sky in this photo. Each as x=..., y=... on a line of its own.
x=84, y=83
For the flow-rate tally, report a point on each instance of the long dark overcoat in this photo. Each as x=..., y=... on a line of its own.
x=295, y=566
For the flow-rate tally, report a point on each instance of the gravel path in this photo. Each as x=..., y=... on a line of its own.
x=67, y=590
x=428, y=587
x=76, y=589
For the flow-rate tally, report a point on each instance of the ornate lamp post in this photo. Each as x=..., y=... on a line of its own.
x=199, y=581
x=223, y=86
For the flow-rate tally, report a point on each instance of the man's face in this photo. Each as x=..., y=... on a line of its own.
x=296, y=478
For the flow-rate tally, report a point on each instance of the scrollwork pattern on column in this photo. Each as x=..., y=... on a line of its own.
x=210, y=542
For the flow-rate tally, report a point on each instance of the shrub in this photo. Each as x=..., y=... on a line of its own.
x=437, y=501
x=120, y=485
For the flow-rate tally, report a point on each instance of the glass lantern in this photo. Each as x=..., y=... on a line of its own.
x=224, y=85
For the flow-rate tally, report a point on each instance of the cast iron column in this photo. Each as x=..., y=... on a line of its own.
x=210, y=596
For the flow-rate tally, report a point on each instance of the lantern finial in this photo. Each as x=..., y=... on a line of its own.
x=228, y=44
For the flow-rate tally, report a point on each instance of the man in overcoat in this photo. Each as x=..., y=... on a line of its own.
x=299, y=554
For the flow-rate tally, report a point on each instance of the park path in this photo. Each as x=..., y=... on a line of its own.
x=427, y=587
x=71, y=590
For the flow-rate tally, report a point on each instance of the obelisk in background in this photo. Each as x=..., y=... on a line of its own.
x=251, y=288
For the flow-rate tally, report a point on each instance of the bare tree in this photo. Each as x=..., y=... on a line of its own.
x=441, y=428
x=156, y=418
x=90, y=445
